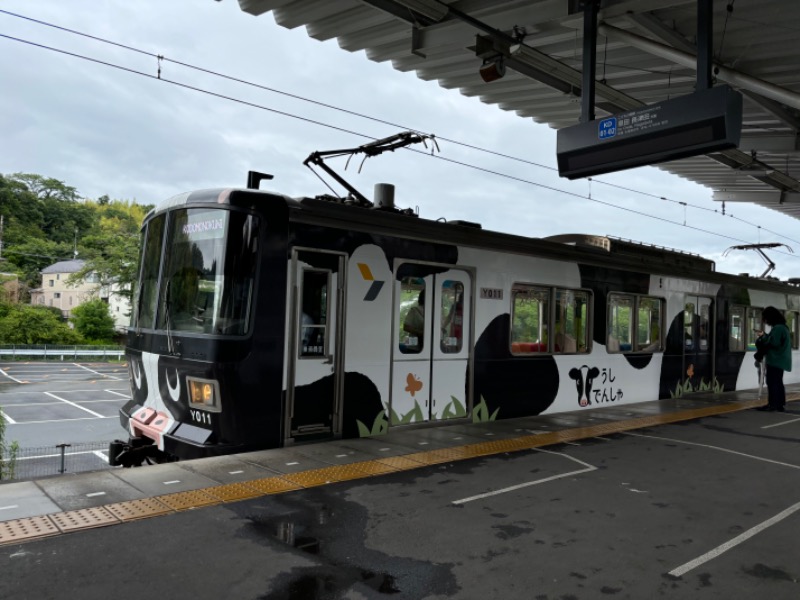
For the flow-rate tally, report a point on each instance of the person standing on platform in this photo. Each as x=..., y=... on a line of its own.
x=775, y=348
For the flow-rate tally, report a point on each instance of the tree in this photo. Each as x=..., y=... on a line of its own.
x=32, y=325
x=93, y=321
x=8, y=452
x=111, y=248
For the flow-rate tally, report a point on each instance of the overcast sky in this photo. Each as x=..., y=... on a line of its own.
x=125, y=133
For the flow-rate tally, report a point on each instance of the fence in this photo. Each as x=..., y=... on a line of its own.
x=56, y=352
x=33, y=463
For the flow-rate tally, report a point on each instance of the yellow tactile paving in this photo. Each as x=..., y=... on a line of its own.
x=232, y=492
x=325, y=475
x=374, y=467
x=401, y=463
x=85, y=518
x=42, y=526
x=18, y=530
x=138, y=509
x=187, y=500
x=273, y=485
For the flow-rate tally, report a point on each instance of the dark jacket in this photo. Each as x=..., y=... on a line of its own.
x=776, y=347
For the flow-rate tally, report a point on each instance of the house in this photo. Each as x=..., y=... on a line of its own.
x=58, y=292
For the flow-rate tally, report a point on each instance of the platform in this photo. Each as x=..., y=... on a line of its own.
x=64, y=504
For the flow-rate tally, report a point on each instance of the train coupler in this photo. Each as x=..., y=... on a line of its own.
x=134, y=453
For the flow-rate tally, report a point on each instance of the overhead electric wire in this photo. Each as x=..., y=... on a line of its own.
x=361, y=115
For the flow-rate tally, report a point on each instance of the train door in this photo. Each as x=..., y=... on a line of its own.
x=314, y=375
x=698, y=341
x=432, y=345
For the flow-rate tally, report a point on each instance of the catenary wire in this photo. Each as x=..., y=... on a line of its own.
x=351, y=132
x=368, y=117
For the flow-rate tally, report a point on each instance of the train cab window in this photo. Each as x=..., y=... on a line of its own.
x=314, y=316
x=571, y=321
x=529, y=319
x=146, y=294
x=754, y=324
x=412, y=326
x=209, y=271
x=635, y=323
x=736, y=328
x=452, y=316
x=793, y=324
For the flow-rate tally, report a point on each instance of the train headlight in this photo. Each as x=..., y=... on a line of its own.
x=203, y=393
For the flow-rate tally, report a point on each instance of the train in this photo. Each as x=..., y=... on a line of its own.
x=261, y=320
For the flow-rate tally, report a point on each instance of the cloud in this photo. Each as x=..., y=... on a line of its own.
x=108, y=131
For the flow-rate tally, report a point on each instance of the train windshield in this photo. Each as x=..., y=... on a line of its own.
x=208, y=277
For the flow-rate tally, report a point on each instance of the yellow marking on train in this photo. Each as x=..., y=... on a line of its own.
x=365, y=271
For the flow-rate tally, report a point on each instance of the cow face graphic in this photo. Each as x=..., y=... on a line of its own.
x=584, y=378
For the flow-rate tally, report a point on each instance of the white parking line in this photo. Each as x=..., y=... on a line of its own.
x=685, y=568
x=127, y=396
x=91, y=412
x=96, y=372
x=101, y=455
x=2, y=372
x=780, y=424
x=769, y=460
x=8, y=419
x=588, y=468
x=95, y=494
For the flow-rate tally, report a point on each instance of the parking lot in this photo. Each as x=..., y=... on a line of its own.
x=49, y=404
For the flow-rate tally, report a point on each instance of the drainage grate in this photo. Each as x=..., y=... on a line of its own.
x=26, y=529
x=138, y=509
x=85, y=518
x=187, y=500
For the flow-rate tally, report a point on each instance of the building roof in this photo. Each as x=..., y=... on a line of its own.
x=64, y=266
x=646, y=53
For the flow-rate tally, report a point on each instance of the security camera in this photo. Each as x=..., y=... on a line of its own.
x=493, y=69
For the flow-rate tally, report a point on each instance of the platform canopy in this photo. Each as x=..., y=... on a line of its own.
x=646, y=53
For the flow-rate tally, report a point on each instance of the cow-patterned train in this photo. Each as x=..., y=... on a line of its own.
x=261, y=320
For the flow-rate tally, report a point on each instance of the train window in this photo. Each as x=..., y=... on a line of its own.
x=209, y=272
x=145, y=297
x=412, y=326
x=620, y=323
x=736, y=327
x=688, y=326
x=635, y=323
x=648, y=324
x=529, y=319
x=703, y=324
x=572, y=321
x=314, y=318
x=792, y=323
x=452, y=319
x=754, y=324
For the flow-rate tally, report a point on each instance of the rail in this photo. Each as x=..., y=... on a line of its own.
x=58, y=352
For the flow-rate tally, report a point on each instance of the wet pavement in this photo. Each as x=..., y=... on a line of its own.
x=608, y=503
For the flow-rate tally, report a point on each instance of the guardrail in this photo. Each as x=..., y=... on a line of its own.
x=57, y=352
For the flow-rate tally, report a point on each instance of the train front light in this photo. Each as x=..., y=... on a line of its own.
x=203, y=393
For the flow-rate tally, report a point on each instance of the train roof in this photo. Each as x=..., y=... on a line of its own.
x=598, y=250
